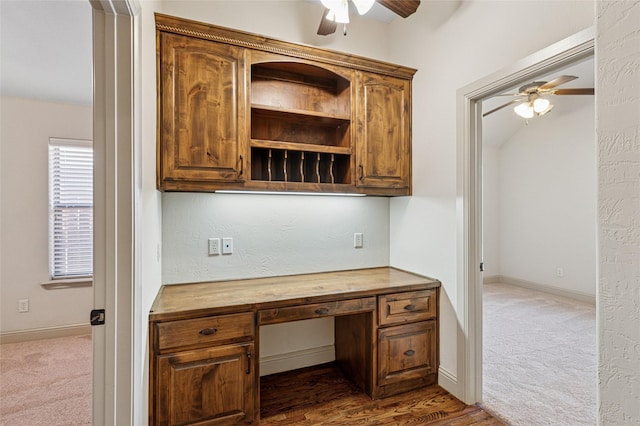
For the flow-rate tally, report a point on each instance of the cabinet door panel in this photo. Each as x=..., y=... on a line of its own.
x=383, y=137
x=206, y=387
x=406, y=352
x=201, y=85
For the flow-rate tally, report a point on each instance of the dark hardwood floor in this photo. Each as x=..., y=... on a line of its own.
x=321, y=395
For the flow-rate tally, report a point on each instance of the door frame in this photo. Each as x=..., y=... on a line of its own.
x=115, y=108
x=469, y=194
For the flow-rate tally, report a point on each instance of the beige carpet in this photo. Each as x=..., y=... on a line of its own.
x=46, y=382
x=539, y=357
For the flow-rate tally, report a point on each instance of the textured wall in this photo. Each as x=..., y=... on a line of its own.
x=618, y=129
x=272, y=234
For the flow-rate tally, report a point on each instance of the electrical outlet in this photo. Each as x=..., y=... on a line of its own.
x=227, y=245
x=214, y=246
x=357, y=240
x=23, y=305
x=559, y=272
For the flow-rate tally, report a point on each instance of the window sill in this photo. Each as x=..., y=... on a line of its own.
x=67, y=283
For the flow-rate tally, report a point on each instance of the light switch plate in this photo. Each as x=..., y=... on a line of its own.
x=357, y=240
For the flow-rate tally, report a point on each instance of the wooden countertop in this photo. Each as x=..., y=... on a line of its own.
x=180, y=301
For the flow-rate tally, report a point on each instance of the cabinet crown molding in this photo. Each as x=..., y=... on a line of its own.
x=234, y=37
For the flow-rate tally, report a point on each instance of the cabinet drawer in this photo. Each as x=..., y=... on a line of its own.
x=407, y=307
x=316, y=310
x=406, y=352
x=204, y=331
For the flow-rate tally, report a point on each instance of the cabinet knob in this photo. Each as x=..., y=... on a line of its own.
x=322, y=311
x=208, y=331
x=410, y=352
x=410, y=308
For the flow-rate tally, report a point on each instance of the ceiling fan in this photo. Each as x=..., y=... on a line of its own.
x=337, y=11
x=531, y=100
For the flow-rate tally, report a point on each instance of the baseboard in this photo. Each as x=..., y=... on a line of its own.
x=576, y=295
x=448, y=380
x=298, y=359
x=491, y=279
x=44, y=333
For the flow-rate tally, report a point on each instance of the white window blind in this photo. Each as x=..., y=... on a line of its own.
x=70, y=208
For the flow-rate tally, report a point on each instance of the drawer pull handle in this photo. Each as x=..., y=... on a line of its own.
x=322, y=311
x=208, y=331
x=410, y=352
x=410, y=308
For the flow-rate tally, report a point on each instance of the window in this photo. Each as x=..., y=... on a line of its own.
x=70, y=208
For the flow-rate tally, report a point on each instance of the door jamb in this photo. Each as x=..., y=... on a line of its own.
x=114, y=112
x=469, y=193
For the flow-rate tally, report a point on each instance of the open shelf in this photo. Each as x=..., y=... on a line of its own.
x=292, y=126
x=292, y=146
x=300, y=125
x=301, y=115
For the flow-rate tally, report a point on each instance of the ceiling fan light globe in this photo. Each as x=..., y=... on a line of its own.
x=546, y=110
x=541, y=106
x=363, y=6
x=524, y=110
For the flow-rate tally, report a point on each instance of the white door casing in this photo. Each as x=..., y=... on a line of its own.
x=114, y=112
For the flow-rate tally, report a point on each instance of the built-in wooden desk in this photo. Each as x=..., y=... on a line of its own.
x=204, y=339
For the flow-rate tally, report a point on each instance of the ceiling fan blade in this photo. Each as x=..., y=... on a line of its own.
x=502, y=106
x=585, y=91
x=402, y=8
x=557, y=82
x=326, y=26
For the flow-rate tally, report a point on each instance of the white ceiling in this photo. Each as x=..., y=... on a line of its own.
x=45, y=50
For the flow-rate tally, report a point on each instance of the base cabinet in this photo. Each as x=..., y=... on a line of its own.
x=205, y=338
x=212, y=386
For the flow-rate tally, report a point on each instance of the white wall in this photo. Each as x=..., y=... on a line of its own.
x=27, y=126
x=148, y=236
x=454, y=44
x=272, y=235
x=546, y=201
x=618, y=129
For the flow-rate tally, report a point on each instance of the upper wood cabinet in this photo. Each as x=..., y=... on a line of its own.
x=242, y=111
x=201, y=108
x=383, y=138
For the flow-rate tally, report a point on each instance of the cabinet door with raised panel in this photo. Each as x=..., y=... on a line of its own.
x=211, y=386
x=201, y=112
x=383, y=141
x=407, y=353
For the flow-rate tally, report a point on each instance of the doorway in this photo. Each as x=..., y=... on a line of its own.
x=539, y=249
x=469, y=174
